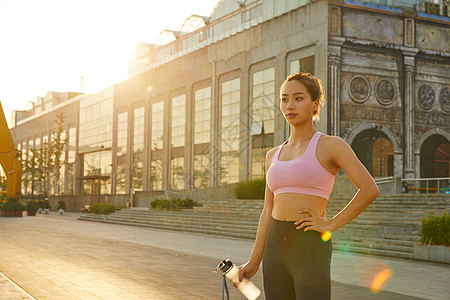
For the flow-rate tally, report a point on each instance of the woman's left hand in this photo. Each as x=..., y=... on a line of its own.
x=312, y=222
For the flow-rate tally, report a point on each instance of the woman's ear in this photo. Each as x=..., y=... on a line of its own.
x=316, y=106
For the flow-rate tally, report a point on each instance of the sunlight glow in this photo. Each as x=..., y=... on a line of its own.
x=380, y=279
x=326, y=236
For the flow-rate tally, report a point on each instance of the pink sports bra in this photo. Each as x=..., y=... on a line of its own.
x=303, y=175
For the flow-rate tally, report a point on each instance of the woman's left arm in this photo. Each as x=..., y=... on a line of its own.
x=343, y=157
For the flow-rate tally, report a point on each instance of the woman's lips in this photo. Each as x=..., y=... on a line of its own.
x=291, y=115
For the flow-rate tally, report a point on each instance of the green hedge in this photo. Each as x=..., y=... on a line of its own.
x=253, y=189
x=173, y=204
x=32, y=206
x=435, y=230
x=12, y=204
x=102, y=208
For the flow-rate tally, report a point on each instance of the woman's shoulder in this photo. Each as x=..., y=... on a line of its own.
x=332, y=140
x=271, y=153
x=333, y=144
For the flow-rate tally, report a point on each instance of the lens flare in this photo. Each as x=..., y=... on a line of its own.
x=380, y=280
x=326, y=236
x=149, y=89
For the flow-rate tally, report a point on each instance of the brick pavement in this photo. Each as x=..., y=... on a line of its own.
x=59, y=257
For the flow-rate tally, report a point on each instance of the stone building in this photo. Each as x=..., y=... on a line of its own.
x=200, y=107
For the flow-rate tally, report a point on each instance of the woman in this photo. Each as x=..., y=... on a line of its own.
x=300, y=177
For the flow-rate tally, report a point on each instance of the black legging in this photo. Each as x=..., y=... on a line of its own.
x=296, y=264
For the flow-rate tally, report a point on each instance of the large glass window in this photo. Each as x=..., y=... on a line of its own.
x=96, y=117
x=305, y=65
x=71, y=145
x=178, y=141
x=263, y=114
x=157, y=125
x=97, y=172
x=202, y=124
x=156, y=174
x=202, y=170
x=157, y=145
x=178, y=120
x=122, y=142
x=230, y=126
x=177, y=173
x=202, y=137
x=138, y=131
x=263, y=105
x=138, y=148
x=122, y=133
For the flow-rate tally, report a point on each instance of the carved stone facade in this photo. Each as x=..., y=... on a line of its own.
x=394, y=79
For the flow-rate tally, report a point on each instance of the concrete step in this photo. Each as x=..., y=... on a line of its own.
x=374, y=243
x=193, y=219
x=181, y=222
x=246, y=233
x=371, y=251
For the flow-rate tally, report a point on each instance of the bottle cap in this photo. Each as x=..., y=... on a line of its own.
x=225, y=265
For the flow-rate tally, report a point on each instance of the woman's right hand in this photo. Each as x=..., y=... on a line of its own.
x=247, y=270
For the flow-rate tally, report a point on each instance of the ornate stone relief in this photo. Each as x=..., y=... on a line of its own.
x=426, y=97
x=432, y=119
x=385, y=91
x=444, y=100
x=359, y=89
x=370, y=114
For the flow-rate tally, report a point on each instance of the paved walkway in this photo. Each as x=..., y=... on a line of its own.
x=59, y=257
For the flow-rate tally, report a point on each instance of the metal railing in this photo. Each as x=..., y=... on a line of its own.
x=440, y=185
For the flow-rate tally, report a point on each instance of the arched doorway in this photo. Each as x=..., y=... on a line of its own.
x=435, y=157
x=375, y=151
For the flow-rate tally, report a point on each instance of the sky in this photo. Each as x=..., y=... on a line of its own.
x=47, y=45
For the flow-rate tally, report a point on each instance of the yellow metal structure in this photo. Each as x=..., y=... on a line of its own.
x=9, y=159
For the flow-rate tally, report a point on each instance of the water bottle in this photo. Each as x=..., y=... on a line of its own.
x=231, y=271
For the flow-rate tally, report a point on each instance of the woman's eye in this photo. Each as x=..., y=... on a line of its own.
x=284, y=99
x=299, y=98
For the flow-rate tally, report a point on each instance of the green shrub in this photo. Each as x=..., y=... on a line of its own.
x=5, y=206
x=253, y=189
x=435, y=230
x=32, y=206
x=102, y=208
x=173, y=204
x=44, y=204
x=61, y=205
x=12, y=204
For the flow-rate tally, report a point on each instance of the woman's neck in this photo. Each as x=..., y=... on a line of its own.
x=300, y=134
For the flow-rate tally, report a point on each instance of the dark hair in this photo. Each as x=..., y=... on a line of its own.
x=312, y=84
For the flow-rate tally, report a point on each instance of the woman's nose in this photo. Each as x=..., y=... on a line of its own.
x=289, y=105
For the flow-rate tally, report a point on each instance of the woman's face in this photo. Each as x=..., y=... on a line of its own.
x=296, y=103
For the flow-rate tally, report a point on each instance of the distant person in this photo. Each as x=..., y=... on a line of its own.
x=300, y=178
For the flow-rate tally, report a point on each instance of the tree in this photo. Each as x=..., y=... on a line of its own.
x=57, y=151
x=32, y=167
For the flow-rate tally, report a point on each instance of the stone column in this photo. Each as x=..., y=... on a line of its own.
x=409, y=77
x=334, y=91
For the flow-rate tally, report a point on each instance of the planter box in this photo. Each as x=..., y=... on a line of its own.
x=11, y=213
x=31, y=213
x=434, y=253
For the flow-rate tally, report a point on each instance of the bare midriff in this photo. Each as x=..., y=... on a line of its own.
x=287, y=205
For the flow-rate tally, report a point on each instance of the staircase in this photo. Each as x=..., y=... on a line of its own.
x=233, y=218
x=388, y=227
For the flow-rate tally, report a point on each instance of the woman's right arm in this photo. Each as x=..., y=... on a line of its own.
x=251, y=267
